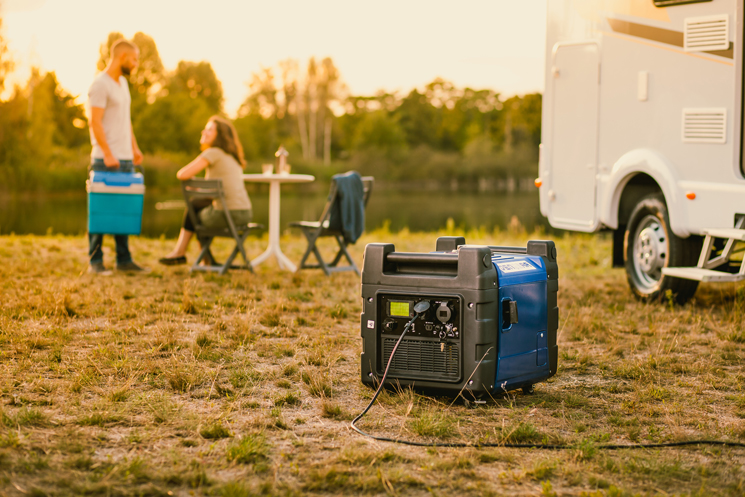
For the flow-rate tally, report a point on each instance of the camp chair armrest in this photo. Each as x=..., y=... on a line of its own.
x=305, y=224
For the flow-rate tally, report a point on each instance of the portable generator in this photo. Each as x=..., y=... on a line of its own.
x=490, y=321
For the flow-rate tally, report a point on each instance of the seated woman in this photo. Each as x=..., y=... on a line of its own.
x=221, y=158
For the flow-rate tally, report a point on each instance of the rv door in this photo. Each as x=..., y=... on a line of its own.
x=574, y=149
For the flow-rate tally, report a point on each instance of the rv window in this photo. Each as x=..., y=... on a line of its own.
x=671, y=3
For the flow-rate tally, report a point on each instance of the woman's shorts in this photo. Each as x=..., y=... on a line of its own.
x=215, y=218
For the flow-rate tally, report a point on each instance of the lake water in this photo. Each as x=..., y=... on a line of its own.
x=419, y=211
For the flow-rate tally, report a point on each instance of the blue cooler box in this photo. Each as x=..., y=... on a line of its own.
x=115, y=202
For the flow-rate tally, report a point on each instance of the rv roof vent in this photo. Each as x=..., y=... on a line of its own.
x=703, y=34
x=705, y=125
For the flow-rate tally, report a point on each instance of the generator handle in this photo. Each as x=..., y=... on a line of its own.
x=508, y=250
x=415, y=258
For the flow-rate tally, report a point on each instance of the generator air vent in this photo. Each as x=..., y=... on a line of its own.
x=704, y=34
x=705, y=125
x=419, y=356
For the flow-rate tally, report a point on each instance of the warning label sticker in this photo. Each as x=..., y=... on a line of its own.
x=515, y=266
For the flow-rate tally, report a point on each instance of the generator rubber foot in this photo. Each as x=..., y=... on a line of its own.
x=528, y=390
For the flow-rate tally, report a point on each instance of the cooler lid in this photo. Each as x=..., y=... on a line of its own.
x=111, y=178
x=100, y=187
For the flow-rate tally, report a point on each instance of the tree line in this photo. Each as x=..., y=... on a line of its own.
x=440, y=134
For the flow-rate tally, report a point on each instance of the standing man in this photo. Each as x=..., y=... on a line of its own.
x=114, y=144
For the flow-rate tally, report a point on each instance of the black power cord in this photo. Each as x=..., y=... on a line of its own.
x=419, y=309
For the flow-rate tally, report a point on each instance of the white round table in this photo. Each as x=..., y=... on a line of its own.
x=274, y=181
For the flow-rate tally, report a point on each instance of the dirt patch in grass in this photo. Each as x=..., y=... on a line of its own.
x=245, y=384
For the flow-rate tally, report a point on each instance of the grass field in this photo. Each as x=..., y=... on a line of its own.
x=179, y=384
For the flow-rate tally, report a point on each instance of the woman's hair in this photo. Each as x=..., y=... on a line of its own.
x=227, y=139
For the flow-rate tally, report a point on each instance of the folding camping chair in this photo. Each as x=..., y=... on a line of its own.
x=212, y=189
x=315, y=230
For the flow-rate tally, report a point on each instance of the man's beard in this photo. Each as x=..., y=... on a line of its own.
x=126, y=70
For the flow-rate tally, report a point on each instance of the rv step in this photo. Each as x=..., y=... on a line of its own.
x=728, y=233
x=697, y=273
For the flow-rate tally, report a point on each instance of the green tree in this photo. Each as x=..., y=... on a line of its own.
x=40, y=126
x=297, y=111
x=319, y=90
x=330, y=93
x=525, y=119
x=54, y=112
x=14, y=143
x=258, y=136
x=379, y=145
x=287, y=99
x=443, y=96
x=419, y=119
x=262, y=99
x=476, y=109
x=259, y=116
x=197, y=80
x=379, y=130
x=149, y=78
x=6, y=64
x=172, y=123
x=441, y=132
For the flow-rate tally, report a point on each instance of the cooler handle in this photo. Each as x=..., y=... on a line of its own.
x=138, y=169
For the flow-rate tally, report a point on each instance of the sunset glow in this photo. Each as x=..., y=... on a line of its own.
x=395, y=46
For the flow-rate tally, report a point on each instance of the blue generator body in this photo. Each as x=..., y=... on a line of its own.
x=491, y=324
x=522, y=345
x=115, y=202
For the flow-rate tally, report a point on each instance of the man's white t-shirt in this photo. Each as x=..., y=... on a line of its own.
x=114, y=98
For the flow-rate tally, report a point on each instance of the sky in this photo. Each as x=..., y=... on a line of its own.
x=391, y=45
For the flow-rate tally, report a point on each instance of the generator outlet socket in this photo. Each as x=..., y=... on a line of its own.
x=443, y=313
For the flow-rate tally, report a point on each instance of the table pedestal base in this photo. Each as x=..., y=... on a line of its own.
x=282, y=260
x=274, y=249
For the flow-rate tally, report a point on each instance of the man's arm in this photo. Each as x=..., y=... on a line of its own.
x=97, y=127
x=137, y=154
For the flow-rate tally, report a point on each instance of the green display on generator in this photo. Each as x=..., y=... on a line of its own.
x=400, y=309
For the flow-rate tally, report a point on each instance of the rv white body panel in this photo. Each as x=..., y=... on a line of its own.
x=574, y=155
x=668, y=106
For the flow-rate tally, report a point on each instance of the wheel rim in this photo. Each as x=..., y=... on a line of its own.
x=650, y=253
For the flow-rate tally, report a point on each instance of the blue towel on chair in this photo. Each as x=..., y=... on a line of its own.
x=348, y=211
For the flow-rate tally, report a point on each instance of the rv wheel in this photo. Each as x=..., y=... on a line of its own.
x=650, y=245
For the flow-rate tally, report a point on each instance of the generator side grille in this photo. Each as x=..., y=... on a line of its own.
x=420, y=356
x=703, y=34
x=705, y=125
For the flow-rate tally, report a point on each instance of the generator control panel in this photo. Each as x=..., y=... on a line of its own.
x=440, y=322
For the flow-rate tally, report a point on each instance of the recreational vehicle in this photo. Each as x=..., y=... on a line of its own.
x=643, y=135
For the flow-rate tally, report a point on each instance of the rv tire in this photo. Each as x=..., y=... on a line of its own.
x=649, y=245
